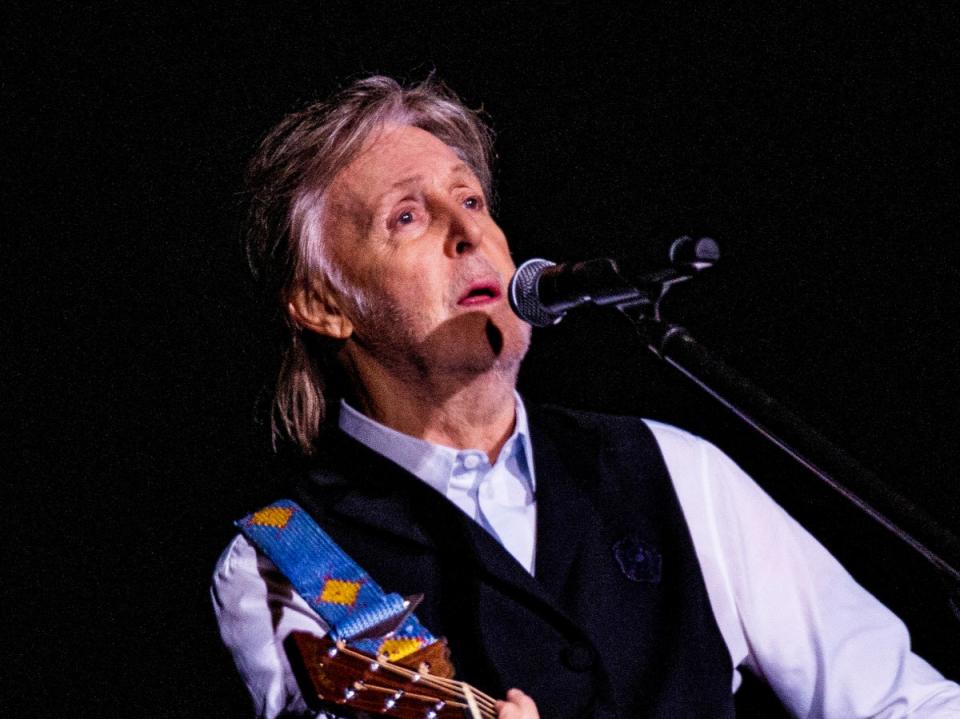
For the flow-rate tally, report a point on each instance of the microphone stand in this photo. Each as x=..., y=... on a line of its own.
x=781, y=427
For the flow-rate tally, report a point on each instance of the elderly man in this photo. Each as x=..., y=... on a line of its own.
x=607, y=566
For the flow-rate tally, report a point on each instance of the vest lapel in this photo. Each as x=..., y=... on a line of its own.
x=363, y=488
x=563, y=513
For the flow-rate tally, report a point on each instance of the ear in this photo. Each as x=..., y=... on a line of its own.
x=317, y=309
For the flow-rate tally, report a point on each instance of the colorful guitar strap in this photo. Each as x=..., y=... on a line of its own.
x=335, y=586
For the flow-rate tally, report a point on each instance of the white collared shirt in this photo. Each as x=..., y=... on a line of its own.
x=785, y=607
x=498, y=496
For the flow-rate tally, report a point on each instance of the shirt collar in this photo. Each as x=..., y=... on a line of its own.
x=429, y=462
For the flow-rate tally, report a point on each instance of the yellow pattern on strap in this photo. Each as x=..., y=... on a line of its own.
x=399, y=647
x=272, y=517
x=337, y=591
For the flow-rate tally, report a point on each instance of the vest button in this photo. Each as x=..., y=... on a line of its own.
x=578, y=657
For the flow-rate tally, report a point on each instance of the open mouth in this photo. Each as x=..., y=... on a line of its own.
x=480, y=293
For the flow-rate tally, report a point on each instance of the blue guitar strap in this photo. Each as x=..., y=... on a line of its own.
x=335, y=586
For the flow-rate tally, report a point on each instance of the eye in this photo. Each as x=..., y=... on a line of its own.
x=405, y=218
x=473, y=202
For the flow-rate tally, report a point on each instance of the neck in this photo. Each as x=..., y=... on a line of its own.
x=476, y=412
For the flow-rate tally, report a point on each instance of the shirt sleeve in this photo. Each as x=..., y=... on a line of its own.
x=786, y=608
x=256, y=608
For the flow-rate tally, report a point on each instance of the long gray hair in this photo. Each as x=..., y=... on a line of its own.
x=287, y=180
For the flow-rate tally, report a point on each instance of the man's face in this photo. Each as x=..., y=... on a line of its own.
x=408, y=223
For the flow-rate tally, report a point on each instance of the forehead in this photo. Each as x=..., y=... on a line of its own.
x=395, y=154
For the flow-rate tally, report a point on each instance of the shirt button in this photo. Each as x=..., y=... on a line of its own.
x=471, y=461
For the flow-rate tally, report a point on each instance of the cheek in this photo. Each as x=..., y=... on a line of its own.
x=501, y=250
x=418, y=286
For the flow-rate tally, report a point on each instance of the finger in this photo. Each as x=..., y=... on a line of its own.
x=517, y=706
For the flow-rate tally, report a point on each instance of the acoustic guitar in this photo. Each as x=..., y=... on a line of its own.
x=418, y=686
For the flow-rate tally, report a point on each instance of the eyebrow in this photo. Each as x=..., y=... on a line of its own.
x=405, y=181
x=460, y=168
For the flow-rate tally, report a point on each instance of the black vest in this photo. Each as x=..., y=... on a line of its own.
x=616, y=622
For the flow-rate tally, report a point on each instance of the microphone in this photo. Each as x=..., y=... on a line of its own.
x=542, y=292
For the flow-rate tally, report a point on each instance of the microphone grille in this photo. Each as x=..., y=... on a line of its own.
x=523, y=295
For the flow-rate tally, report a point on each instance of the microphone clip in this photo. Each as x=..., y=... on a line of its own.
x=688, y=257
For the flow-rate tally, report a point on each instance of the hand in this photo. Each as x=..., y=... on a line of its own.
x=517, y=706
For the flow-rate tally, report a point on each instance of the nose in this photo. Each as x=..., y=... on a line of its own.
x=464, y=233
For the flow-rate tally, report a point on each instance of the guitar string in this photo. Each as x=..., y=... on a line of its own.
x=487, y=713
x=450, y=685
x=446, y=685
x=447, y=696
x=471, y=702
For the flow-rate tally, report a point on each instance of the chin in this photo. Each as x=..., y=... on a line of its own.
x=479, y=343
x=516, y=341
x=506, y=344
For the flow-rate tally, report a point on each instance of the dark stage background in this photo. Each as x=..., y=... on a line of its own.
x=819, y=148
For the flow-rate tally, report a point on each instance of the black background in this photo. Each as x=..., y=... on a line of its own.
x=818, y=146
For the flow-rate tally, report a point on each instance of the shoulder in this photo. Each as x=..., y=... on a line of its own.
x=580, y=418
x=705, y=478
x=602, y=421
x=583, y=428
x=239, y=556
x=670, y=435
x=241, y=571
x=614, y=429
x=684, y=451
x=710, y=487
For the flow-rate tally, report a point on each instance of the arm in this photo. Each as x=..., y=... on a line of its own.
x=787, y=609
x=256, y=609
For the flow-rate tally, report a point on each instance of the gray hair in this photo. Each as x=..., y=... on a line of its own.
x=287, y=180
